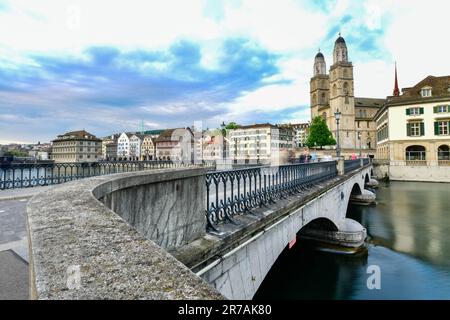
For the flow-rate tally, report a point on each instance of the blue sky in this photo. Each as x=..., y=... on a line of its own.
x=107, y=66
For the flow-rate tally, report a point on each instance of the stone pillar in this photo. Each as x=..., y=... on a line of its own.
x=340, y=166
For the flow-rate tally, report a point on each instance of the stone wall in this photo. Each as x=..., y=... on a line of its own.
x=380, y=169
x=426, y=173
x=80, y=249
x=169, y=211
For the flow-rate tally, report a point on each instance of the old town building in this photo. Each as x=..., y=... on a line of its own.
x=175, y=145
x=265, y=143
x=413, y=131
x=76, y=146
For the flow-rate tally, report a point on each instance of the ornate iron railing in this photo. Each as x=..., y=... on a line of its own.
x=30, y=175
x=237, y=191
x=350, y=165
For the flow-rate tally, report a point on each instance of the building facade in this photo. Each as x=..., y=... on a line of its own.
x=148, y=148
x=111, y=151
x=265, y=143
x=123, y=146
x=413, y=130
x=105, y=142
x=76, y=146
x=175, y=145
x=135, y=146
x=334, y=92
x=300, y=132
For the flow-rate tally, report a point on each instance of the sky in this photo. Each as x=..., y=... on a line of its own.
x=111, y=66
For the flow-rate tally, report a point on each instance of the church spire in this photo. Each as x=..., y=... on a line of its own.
x=396, y=90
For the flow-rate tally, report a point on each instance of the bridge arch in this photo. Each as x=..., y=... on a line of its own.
x=356, y=189
x=321, y=223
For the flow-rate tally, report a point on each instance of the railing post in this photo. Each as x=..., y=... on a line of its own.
x=340, y=166
x=361, y=160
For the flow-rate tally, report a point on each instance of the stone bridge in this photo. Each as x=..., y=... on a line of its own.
x=143, y=235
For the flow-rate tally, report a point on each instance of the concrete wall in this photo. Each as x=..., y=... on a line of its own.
x=239, y=273
x=169, y=211
x=419, y=173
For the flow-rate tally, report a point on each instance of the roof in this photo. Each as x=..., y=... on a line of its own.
x=167, y=135
x=76, y=135
x=140, y=136
x=440, y=87
x=154, y=132
x=257, y=125
x=340, y=40
x=412, y=95
x=369, y=102
x=320, y=55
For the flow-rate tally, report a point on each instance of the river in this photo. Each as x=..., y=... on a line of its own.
x=408, y=239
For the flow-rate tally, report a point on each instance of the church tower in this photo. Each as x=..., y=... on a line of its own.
x=342, y=95
x=319, y=87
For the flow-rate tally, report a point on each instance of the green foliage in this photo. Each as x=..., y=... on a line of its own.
x=18, y=153
x=232, y=125
x=319, y=134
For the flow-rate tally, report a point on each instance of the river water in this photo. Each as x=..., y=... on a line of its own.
x=408, y=239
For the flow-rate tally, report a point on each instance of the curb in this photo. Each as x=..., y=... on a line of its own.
x=16, y=197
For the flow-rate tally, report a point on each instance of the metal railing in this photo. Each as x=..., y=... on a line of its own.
x=25, y=175
x=350, y=165
x=237, y=191
x=366, y=161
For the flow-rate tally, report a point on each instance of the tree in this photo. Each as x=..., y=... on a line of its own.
x=232, y=125
x=18, y=153
x=319, y=134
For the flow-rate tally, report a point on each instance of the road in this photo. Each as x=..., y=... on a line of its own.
x=14, y=279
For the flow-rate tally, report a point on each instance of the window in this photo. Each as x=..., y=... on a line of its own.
x=415, y=153
x=415, y=129
x=442, y=128
x=414, y=111
x=425, y=92
x=441, y=109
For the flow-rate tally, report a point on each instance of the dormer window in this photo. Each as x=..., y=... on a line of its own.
x=425, y=92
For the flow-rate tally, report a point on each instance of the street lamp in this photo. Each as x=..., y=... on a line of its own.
x=359, y=138
x=223, y=125
x=337, y=116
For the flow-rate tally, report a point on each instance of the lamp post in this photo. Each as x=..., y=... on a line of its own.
x=359, y=138
x=223, y=125
x=337, y=116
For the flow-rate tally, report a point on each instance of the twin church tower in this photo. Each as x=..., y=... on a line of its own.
x=334, y=92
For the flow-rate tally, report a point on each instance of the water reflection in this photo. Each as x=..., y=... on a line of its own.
x=408, y=238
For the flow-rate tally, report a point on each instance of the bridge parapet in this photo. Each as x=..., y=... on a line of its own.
x=80, y=249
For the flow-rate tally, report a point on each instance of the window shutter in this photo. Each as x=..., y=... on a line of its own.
x=422, y=129
x=435, y=109
x=408, y=129
x=436, y=128
x=408, y=112
x=421, y=110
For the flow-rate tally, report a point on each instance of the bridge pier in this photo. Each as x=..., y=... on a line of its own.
x=349, y=239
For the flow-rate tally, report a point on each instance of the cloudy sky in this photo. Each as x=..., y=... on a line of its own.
x=107, y=66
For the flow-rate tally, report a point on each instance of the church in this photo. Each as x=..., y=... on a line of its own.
x=334, y=92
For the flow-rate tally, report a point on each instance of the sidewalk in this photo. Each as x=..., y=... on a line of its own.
x=21, y=193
